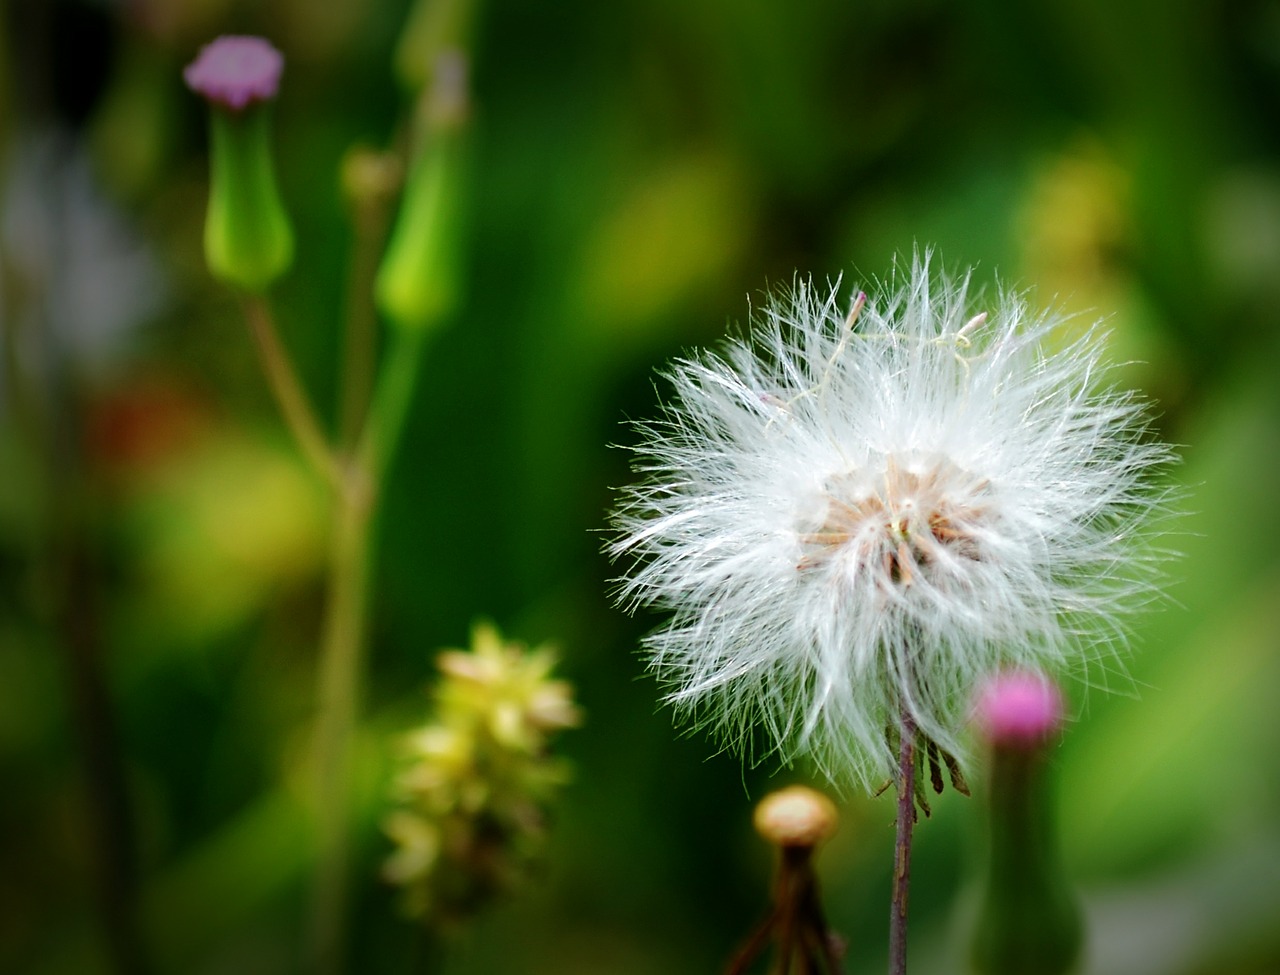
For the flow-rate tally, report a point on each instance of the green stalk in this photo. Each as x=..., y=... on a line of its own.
x=1029, y=922
x=416, y=276
x=338, y=694
x=290, y=397
x=342, y=635
x=342, y=643
x=369, y=180
x=342, y=646
x=390, y=406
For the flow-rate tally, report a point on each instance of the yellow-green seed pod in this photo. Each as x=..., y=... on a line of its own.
x=248, y=241
x=795, y=816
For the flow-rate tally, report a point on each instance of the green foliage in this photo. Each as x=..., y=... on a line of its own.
x=637, y=169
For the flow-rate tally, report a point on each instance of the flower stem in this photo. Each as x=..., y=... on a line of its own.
x=360, y=345
x=902, y=844
x=1029, y=920
x=343, y=641
x=288, y=392
x=337, y=698
x=390, y=405
x=342, y=634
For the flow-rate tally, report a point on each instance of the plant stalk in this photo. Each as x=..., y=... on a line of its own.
x=342, y=637
x=1029, y=922
x=342, y=646
x=390, y=404
x=338, y=695
x=902, y=844
x=360, y=338
x=290, y=397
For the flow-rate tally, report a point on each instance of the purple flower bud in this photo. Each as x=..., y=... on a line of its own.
x=1019, y=710
x=247, y=238
x=235, y=71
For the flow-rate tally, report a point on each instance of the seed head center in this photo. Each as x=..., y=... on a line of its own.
x=900, y=520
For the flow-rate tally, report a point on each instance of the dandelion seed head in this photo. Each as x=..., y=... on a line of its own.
x=852, y=513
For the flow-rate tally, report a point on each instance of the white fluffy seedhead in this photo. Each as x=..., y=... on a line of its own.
x=852, y=514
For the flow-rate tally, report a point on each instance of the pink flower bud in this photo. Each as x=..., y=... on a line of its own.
x=1019, y=709
x=235, y=71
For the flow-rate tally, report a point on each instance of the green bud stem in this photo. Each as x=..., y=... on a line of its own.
x=1029, y=922
x=390, y=406
x=431, y=27
x=290, y=397
x=247, y=238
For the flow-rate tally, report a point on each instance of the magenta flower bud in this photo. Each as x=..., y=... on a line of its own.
x=235, y=71
x=248, y=241
x=1019, y=710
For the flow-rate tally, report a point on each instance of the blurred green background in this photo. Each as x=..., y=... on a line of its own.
x=639, y=169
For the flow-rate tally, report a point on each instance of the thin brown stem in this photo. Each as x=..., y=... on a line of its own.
x=788, y=933
x=824, y=944
x=108, y=815
x=804, y=944
x=294, y=405
x=754, y=944
x=902, y=844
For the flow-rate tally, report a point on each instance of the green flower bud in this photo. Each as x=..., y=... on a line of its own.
x=433, y=27
x=247, y=238
x=417, y=283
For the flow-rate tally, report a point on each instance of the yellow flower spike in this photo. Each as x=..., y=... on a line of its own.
x=417, y=850
x=479, y=776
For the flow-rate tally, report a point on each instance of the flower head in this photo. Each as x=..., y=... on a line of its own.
x=852, y=516
x=235, y=71
x=1019, y=710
